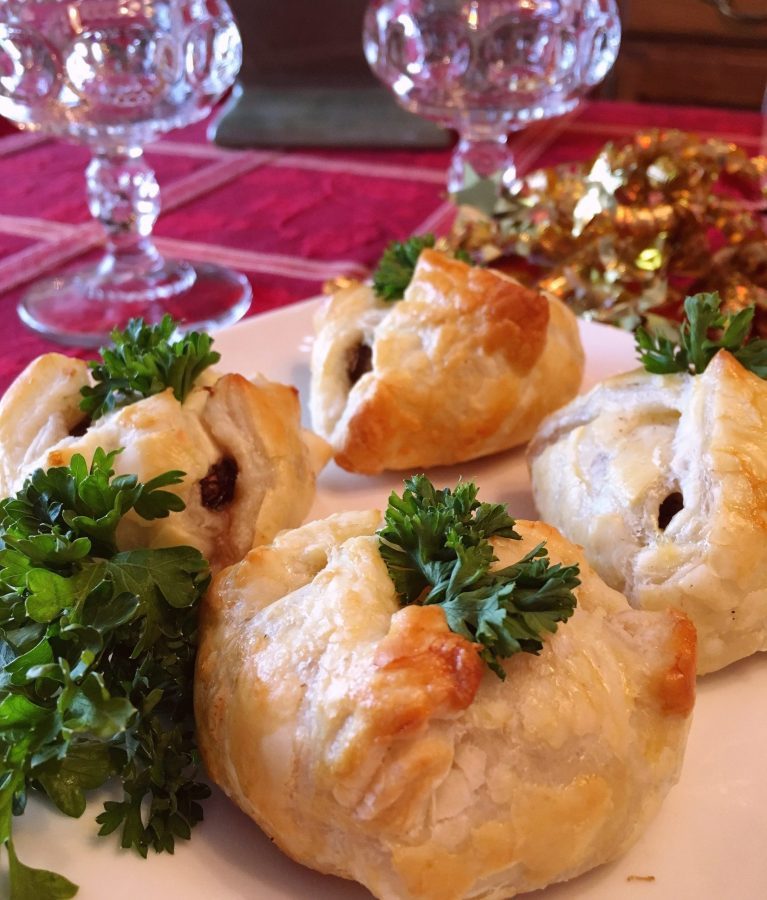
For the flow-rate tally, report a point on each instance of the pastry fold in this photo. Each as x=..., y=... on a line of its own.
x=466, y=365
x=371, y=742
x=662, y=479
x=249, y=467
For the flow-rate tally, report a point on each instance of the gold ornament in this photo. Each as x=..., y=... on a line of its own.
x=636, y=229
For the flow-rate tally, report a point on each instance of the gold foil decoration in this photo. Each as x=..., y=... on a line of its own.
x=636, y=229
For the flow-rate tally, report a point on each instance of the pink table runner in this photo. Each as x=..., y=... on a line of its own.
x=289, y=220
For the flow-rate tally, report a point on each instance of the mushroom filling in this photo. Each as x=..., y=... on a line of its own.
x=217, y=487
x=360, y=361
x=80, y=428
x=673, y=504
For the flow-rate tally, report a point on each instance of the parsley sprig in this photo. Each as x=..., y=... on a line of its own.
x=145, y=360
x=436, y=547
x=97, y=652
x=694, y=348
x=395, y=268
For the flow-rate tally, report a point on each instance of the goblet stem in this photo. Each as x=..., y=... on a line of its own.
x=114, y=75
x=486, y=153
x=123, y=194
x=132, y=279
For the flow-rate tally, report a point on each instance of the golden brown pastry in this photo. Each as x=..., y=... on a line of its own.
x=663, y=481
x=250, y=469
x=467, y=364
x=370, y=742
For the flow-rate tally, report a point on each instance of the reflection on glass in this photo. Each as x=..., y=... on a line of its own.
x=115, y=74
x=488, y=67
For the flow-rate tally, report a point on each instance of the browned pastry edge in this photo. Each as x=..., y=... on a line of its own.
x=676, y=687
x=396, y=424
x=504, y=316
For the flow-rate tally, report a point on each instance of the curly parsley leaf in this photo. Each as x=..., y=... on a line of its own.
x=436, y=546
x=27, y=883
x=693, y=348
x=145, y=360
x=395, y=268
x=97, y=653
x=64, y=513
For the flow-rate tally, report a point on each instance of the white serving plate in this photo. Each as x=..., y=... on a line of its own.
x=707, y=843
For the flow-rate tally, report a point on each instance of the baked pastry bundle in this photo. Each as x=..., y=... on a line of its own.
x=663, y=481
x=371, y=742
x=466, y=365
x=250, y=468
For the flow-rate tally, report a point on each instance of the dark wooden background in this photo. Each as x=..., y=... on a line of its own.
x=686, y=51
x=674, y=51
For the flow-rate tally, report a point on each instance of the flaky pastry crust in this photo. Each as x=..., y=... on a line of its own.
x=466, y=365
x=267, y=481
x=370, y=742
x=663, y=481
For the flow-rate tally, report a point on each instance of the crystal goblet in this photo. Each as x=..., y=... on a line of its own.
x=490, y=67
x=115, y=74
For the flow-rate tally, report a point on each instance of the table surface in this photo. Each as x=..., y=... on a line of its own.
x=290, y=220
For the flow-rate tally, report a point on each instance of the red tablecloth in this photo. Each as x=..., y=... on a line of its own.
x=289, y=220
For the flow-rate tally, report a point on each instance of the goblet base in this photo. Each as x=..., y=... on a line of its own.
x=81, y=309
